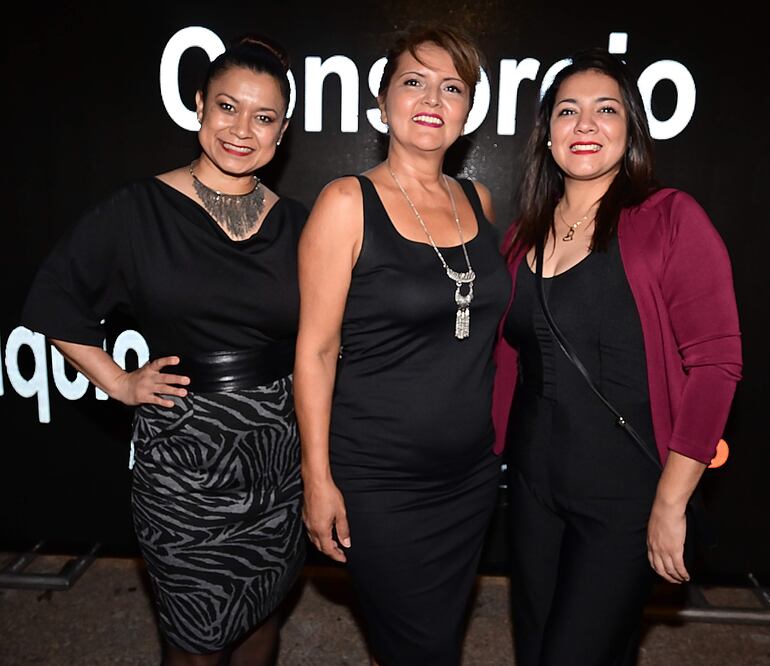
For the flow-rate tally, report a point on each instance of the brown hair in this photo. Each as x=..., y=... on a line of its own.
x=466, y=56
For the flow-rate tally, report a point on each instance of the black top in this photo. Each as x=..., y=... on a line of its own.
x=560, y=432
x=155, y=253
x=410, y=397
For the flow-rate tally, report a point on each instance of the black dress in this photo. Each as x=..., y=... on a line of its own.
x=411, y=433
x=581, y=489
x=216, y=487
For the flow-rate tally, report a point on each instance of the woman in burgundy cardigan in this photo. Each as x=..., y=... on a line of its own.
x=638, y=280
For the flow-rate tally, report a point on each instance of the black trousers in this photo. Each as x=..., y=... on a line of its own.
x=579, y=576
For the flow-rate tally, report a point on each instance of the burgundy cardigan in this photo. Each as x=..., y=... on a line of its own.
x=680, y=276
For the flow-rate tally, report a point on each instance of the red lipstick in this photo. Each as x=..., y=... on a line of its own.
x=427, y=123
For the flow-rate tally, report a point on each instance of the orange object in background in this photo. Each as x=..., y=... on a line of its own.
x=723, y=451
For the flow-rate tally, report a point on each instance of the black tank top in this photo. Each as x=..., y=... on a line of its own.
x=411, y=399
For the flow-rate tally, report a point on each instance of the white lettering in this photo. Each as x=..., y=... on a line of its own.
x=127, y=341
x=101, y=395
x=680, y=76
x=316, y=72
x=186, y=38
x=71, y=390
x=292, y=93
x=480, y=105
x=512, y=73
x=375, y=76
x=38, y=383
x=618, y=43
x=550, y=75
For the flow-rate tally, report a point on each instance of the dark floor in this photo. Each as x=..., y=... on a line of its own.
x=105, y=618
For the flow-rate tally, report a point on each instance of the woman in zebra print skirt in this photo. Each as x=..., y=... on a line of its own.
x=211, y=280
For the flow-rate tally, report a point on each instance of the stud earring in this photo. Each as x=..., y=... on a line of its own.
x=548, y=143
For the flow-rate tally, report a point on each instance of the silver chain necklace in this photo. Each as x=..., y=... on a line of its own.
x=463, y=301
x=237, y=213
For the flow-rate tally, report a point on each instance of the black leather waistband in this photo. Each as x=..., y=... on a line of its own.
x=236, y=370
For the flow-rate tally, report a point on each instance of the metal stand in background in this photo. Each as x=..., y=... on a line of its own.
x=13, y=573
x=698, y=608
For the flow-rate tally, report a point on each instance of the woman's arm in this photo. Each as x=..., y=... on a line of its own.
x=667, y=526
x=697, y=287
x=144, y=385
x=328, y=250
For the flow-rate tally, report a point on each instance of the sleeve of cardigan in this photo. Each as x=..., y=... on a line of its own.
x=697, y=286
x=506, y=361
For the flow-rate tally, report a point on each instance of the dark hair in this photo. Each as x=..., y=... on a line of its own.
x=466, y=56
x=542, y=185
x=254, y=52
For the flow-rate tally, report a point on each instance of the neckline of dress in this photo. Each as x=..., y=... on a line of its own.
x=425, y=243
x=214, y=225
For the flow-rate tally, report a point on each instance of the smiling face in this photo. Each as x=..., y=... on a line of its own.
x=426, y=104
x=242, y=118
x=588, y=127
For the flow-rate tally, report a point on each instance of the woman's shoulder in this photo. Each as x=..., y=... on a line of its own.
x=475, y=189
x=337, y=213
x=341, y=193
x=482, y=191
x=676, y=213
x=345, y=186
x=669, y=199
x=130, y=193
x=113, y=207
x=480, y=187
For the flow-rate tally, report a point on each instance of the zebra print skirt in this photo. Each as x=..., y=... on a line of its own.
x=216, y=498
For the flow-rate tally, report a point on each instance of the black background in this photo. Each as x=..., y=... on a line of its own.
x=82, y=113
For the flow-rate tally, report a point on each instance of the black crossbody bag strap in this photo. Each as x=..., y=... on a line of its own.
x=695, y=506
x=569, y=352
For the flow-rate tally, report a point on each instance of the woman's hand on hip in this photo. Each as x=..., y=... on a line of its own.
x=149, y=385
x=143, y=385
x=324, y=513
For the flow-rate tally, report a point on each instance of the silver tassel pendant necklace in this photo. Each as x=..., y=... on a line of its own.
x=462, y=300
x=237, y=213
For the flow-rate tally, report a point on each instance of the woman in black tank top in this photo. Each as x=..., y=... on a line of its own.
x=402, y=289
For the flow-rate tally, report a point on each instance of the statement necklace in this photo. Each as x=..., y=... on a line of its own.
x=237, y=213
x=571, y=233
x=463, y=301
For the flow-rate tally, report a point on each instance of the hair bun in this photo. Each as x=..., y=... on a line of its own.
x=261, y=42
